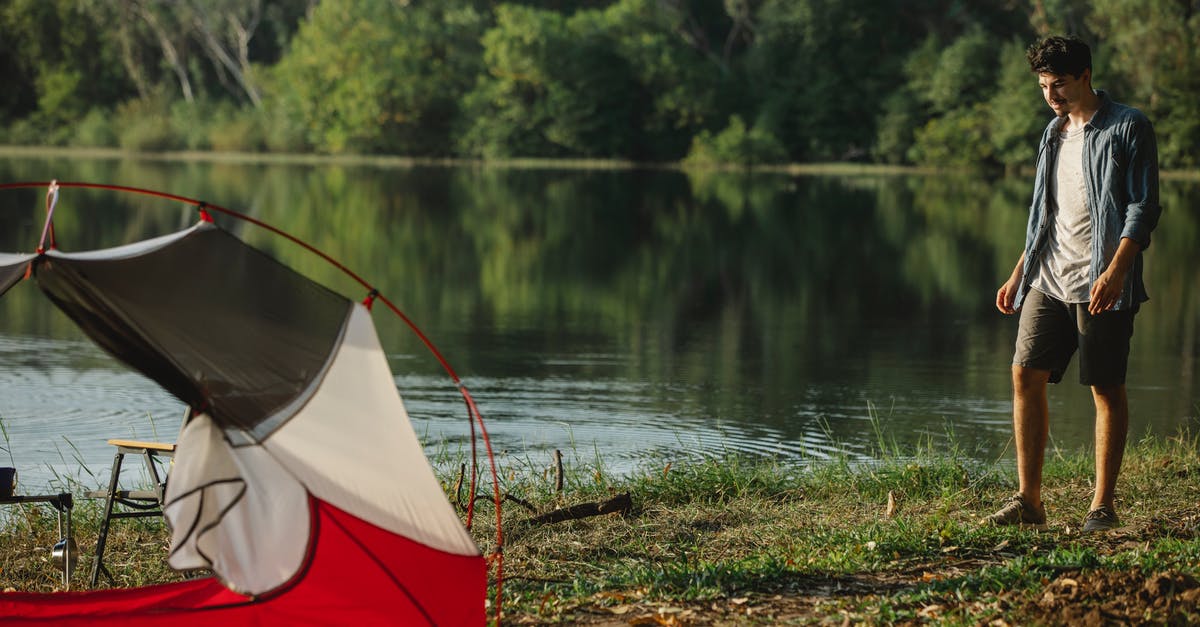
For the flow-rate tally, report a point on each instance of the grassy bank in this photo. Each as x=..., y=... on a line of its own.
x=732, y=541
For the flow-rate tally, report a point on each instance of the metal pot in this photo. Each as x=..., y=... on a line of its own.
x=63, y=551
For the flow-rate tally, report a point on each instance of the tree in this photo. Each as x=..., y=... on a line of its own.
x=820, y=95
x=735, y=145
x=63, y=68
x=1017, y=112
x=380, y=76
x=1155, y=46
x=618, y=82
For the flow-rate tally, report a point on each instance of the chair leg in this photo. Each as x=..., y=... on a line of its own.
x=152, y=470
x=98, y=564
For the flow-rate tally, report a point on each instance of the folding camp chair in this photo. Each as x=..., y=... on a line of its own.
x=134, y=503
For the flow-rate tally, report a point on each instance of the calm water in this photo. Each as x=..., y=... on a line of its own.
x=631, y=317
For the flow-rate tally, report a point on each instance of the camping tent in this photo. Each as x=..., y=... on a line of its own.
x=298, y=479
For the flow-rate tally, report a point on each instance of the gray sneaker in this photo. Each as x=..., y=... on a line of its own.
x=1017, y=512
x=1102, y=518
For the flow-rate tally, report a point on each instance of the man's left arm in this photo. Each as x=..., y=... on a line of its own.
x=1141, y=215
x=1107, y=289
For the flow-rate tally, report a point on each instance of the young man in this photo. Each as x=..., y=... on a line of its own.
x=1078, y=283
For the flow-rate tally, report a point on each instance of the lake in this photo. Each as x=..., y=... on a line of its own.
x=626, y=317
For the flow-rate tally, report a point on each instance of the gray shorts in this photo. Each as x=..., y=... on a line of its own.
x=1051, y=330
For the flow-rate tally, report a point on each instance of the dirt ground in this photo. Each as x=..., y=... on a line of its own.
x=1090, y=599
x=1070, y=596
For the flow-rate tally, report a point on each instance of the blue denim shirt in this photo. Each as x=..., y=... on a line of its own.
x=1120, y=156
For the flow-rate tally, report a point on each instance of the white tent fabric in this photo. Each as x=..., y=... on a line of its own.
x=128, y=250
x=12, y=259
x=351, y=445
x=235, y=511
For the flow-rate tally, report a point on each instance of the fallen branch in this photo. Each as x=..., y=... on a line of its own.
x=620, y=503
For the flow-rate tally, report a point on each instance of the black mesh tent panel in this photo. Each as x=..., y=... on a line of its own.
x=222, y=326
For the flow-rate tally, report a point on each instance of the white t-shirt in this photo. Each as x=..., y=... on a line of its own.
x=1065, y=269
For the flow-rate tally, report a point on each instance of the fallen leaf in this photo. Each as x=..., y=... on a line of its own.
x=930, y=611
x=891, y=505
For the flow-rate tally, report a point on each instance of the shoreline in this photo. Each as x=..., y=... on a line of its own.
x=397, y=161
x=402, y=162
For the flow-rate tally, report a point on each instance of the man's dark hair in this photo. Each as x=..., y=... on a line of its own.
x=1059, y=56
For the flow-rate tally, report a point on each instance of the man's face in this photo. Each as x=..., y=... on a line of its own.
x=1065, y=93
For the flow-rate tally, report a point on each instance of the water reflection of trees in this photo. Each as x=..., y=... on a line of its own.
x=728, y=279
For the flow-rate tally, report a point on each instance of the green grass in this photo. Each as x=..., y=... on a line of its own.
x=732, y=529
x=737, y=540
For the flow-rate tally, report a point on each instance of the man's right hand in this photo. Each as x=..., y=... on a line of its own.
x=1007, y=295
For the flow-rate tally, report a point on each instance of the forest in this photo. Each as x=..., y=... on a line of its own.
x=941, y=83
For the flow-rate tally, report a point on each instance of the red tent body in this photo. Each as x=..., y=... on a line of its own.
x=357, y=574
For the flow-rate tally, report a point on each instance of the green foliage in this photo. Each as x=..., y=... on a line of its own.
x=674, y=85
x=544, y=90
x=599, y=83
x=979, y=103
x=901, y=114
x=94, y=130
x=956, y=139
x=1179, y=130
x=963, y=74
x=736, y=145
x=57, y=99
x=1156, y=56
x=237, y=130
x=379, y=76
x=953, y=86
x=145, y=125
x=1016, y=110
x=852, y=80
x=189, y=121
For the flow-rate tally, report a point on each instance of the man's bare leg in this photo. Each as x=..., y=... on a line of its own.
x=1031, y=425
x=1112, y=428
